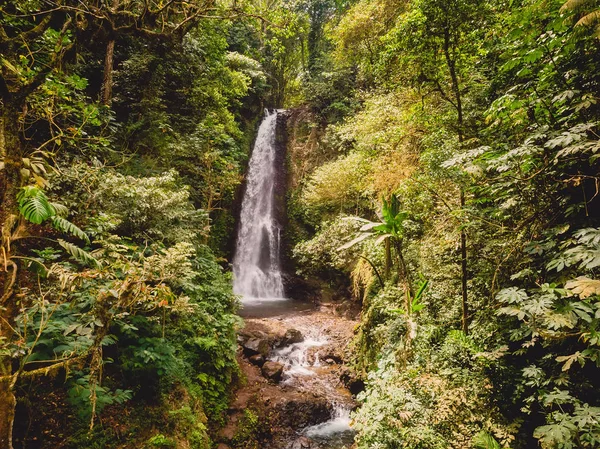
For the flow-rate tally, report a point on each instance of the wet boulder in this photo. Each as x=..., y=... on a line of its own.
x=304, y=411
x=257, y=359
x=302, y=443
x=255, y=346
x=292, y=336
x=272, y=371
x=331, y=357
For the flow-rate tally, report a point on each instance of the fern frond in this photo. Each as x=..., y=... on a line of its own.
x=64, y=225
x=34, y=204
x=589, y=19
x=573, y=4
x=78, y=254
x=60, y=209
x=484, y=440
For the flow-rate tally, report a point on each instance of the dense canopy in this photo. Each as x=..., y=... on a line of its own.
x=443, y=174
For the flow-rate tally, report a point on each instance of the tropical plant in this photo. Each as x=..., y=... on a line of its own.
x=390, y=230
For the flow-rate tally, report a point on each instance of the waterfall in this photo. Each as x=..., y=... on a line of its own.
x=256, y=267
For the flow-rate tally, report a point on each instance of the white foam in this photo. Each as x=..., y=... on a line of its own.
x=340, y=423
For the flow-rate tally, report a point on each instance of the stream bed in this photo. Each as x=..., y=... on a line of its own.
x=292, y=353
x=309, y=344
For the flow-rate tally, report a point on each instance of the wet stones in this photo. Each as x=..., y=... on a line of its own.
x=304, y=411
x=257, y=359
x=291, y=336
x=302, y=443
x=272, y=370
x=254, y=346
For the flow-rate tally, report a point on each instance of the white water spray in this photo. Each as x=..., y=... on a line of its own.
x=256, y=267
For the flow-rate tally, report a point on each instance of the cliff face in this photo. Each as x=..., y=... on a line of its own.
x=281, y=187
x=300, y=135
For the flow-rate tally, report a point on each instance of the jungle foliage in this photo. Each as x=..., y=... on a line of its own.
x=444, y=160
x=124, y=131
x=480, y=119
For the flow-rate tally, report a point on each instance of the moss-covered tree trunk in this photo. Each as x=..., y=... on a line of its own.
x=10, y=150
x=107, y=78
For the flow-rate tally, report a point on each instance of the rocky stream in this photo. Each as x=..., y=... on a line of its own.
x=292, y=356
x=291, y=352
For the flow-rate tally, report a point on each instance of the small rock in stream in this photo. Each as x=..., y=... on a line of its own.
x=272, y=371
x=302, y=443
x=257, y=359
x=257, y=346
x=292, y=336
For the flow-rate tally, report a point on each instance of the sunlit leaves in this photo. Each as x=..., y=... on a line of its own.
x=567, y=361
x=556, y=435
x=512, y=295
x=584, y=287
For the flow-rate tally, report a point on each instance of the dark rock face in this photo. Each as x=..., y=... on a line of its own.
x=272, y=371
x=292, y=336
x=351, y=381
x=302, y=412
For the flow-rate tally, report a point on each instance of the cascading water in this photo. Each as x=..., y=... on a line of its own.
x=256, y=267
x=258, y=279
x=303, y=369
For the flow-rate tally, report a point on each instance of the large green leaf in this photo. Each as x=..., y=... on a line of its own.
x=34, y=204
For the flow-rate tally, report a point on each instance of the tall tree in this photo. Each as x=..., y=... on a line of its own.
x=435, y=43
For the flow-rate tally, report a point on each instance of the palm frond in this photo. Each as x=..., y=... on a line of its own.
x=354, y=218
x=60, y=209
x=370, y=226
x=353, y=242
x=382, y=237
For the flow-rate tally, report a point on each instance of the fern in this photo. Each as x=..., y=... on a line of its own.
x=64, y=225
x=79, y=254
x=34, y=204
x=590, y=19
x=573, y=4
x=60, y=209
x=484, y=440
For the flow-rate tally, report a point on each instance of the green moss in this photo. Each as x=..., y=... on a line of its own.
x=248, y=431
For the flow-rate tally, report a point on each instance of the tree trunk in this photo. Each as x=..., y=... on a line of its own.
x=404, y=275
x=451, y=63
x=107, y=79
x=7, y=408
x=10, y=180
x=463, y=269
